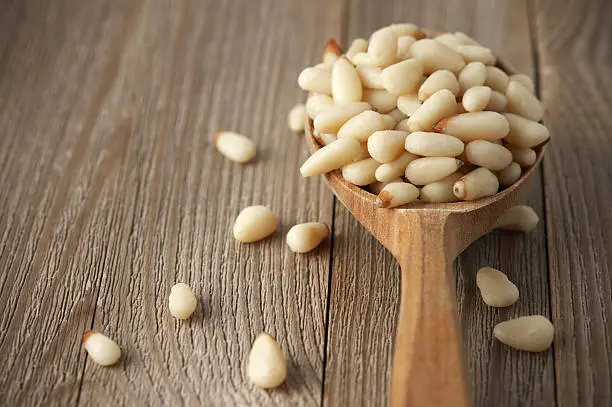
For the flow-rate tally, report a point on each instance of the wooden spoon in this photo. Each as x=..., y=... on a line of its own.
x=428, y=363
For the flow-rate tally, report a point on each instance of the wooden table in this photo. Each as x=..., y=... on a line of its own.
x=110, y=192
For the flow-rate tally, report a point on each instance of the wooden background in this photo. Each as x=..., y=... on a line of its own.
x=110, y=192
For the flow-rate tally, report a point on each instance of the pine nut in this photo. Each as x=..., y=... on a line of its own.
x=297, y=118
x=380, y=99
x=534, y=333
x=331, y=119
x=473, y=126
x=235, y=146
x=403, y=77
x=474, y=74
x=430, y=144
x=509, y=175
x=476, y=98
x=498, y=102
x=403, y=125
x=450, y=40
x=522, y=102
x=382, y=47
x=361, y=173
x=408, y=104
x=370, y=76
x=316, y=79
x=331, y=52
x=489, y=155
x=254, y=223
x=403, y=46
x=525, y=133
x=435, y=56
x=364, y=124
x=495, y=288
x=439, y=105
x=376, y=187
x=345, y=83
x=460, y=108
x=525, y=81
x=466, y=39
x=101, y=349
x=316, y=103
x=426, y=170
x=305, y=237
x=476, y=53
x=496, y=79
x=181, y=302
x=402, y=29
x=440, y=191
x=476, y=184
x=437, y=81
x=333, y=156
x=358, y=45
x=395, y=169
x=521, y=217
x=362, y=59
x=364, y=154
x=386, y=145
x=397, y=194
x=324, y=138
x=396, y=115
x=525, y=157
x=267, y=367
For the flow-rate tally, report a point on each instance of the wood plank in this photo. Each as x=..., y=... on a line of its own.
x=365, y=278
x=576, y=67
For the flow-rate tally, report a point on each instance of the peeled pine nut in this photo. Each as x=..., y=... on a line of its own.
x=364, y=154
x=386, y=145
x=316, y=79
x=408, y=104
x=181, y=302
x=101, y=349
x=426, y=170
x=401, y=29
x=361, y=173
x=476, y=53
x=496, y=79
x=380, y=99
x=533, y=333
x=430, y=144
x=297, y=118
x=397, y=194
x=449, y=39
x=305, y=237
x=476, y=98
x=316, y=103
x=525, y=81
x=345, y=83
x=439, y=105
x=498, y=102
x=362, y=59
x=435, y=56
x=395, y=169
x=476, y=184
x=267, y=367
x=466, y=39
x=382, y=47
x=403, y=46
x=325, y=139
x=333, y=156
x=358, y=45
x=525, y=157
x=376, y=187
x=331, y=119
x=364, y=124
x=403, y=77
x=396, y=115
x=522, y=102
x=495, y=288
x=509, y=175
x=521, y=217
x=440, y=191
x=473, y=126
x=332, y=51
x=254, y=223
x=235, y=146
x=370, y=76
x=437, y=81
x=474, y=74
x=525, y=133
x=489, y=155
x=403, y=125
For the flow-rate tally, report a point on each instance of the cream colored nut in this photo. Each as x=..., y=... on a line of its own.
x=450, y=40
x=401, y=29
x=381, y=100
x=267, y=367
x=332, y=118
x=297, y=118
x=466, y=39
x=435, y=56
x=408, y=104
x=333, y=156
x=403, y=125
x=361, y=173
x=364, y=124
x=316, y=79
x=473, y=126
x=101, y=349
x=358, y=45
x=474, y=74
x=525, y=133
x=386, y=145
x=440, y=191
x=525, y=81
x=403, y=46
x=397, y=115
x=476, y=184
x=523, y=103
x=382, y=47
x=426, y=170
x=331, y=52
x=376, y=187
x=235, y=146
x=305, y=237
x=370, y=76
x=521, y=217
x=525, y=157
x=476, y=53
x=489, y=155
x=495, y=288
x=254, y=223
x=438, y=106
x=364, y=154
x=362, y=59
x=430, y=144
x=476, y=98
x=496, y=79
x=439, y=80
x=325, y=139
x=509, y=175
x=345, y=83
x=316, y=103
x=181, y=302
x=534, y=333
x=395, y=169
x=498, y=102
x=397, y=194
x=402, y=78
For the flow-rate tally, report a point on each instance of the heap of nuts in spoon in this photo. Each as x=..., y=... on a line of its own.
x=412, y=117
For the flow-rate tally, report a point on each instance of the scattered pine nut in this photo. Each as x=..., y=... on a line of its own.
x=397, y=194
x=101, y=349
x=267, y=367
x=181, y=302
x=495, y=288
x=305, y=237
x=254, y=223
x=521, y=217
x=235, y=146
x=534, y=333
x=297, y=118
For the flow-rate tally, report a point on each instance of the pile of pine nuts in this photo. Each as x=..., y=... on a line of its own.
x=410, y=116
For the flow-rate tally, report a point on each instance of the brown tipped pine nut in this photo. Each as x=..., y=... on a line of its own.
x=181, y=301
x=394, y=169
x=435, y=56
x=397, y=194
x=333, y=156
x=524, y=132
x=235, y=146
x=376, y=187
x=466, y=39
x=403, y=125
x=386, y=145
x=254, y=223
x=476, y=184
x=534, y=333
x=498, y=102
x=331, y=119
x=525, y=81
x=101, y=349
x=401, y=29
x=522, y=102
x=364, y=124
x=496, y=79
x=403, y=46
x=474, y=74
x=426, y=170
x=521, y=217
x=316, y=103
x=345, y=83
x=382, y=47
x=430, y=144
x=509, y=175
x=525, y=157
x=297, y=118
x=402, y=78
x=473, y=126
x=408, y=104
x=495, y=288
x=397, y=115
x=361, y=173
x=440, y=191
x=370, y=76
x=489, y=155
x=305, y=237
x=439, y=105
x=381, y=100
x=476, y=53
x=358, y=45
x=316, y=79
x=449, y=39
x=267, y=367
x=439, y=80
x=332, y=51
x=476, y=98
